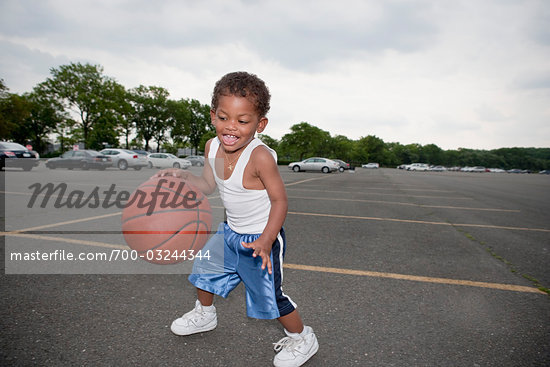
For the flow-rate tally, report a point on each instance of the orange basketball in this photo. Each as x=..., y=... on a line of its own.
x=166, y=220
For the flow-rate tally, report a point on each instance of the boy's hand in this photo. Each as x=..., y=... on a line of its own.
x=263, y=249
x=174, y=172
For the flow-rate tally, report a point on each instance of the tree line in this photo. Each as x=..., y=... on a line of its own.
x=305, y=140
x=79, y=104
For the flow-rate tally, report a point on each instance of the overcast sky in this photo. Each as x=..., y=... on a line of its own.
x=472, y=74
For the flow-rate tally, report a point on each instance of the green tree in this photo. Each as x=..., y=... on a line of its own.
x=370, y=149
x=269, y=141
x=151, y=113
x=191, y=120
x=303, y=141
x=83, y=90
x=14, y=111
x=341, y=148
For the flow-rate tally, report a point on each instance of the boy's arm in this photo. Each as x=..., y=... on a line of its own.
x=206, y=182
x=268, y=173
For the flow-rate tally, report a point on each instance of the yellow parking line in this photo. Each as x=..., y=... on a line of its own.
x=420, y=222
x=506, y=287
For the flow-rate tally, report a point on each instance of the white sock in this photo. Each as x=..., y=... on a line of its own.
x=210, y=308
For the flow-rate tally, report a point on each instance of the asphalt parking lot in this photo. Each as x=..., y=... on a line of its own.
x=390, y=268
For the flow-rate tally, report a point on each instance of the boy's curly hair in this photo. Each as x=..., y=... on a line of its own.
x=243, y=84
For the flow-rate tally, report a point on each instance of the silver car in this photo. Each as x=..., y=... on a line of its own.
x=196, y=160
x=324, y=165
x=167, y=160
x=123, y=158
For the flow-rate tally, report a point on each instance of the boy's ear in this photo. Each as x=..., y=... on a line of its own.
x=212, y=116
x=261, y=125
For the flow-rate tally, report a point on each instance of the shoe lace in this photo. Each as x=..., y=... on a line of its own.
x=287, y=342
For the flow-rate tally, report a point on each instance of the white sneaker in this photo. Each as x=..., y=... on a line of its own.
x=295, y=349
x=197, y=320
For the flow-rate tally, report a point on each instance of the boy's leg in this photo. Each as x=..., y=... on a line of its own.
x=205, y=298
x=292, y=322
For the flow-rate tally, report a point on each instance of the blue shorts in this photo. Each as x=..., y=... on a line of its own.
x=264, y=294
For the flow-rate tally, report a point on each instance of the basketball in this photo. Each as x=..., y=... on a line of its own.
x=166, y=220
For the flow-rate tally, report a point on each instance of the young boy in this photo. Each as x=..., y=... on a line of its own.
x=251, y=188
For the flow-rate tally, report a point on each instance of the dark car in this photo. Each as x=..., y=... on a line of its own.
x=196, y=160
x=343, y=165
x=16, y=155
x=84, y=159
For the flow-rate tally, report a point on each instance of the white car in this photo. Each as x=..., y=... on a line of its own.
x=167, y=160
x=371, y=165
x=123, y=158
x=418, y=167
x=324, y=165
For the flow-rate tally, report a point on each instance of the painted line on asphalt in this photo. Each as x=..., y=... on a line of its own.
x=420, y=222
x=385, y=194
x=322, y=269
x=302, y=181
x=409, y=204
x=375, y=274
x=66, y=240
x=64, y=223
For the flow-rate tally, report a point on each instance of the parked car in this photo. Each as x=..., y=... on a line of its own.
x=437, y=169
x=324, y=165
x=166, y=160
x=417, y=167
x=141, y=152
x=124, y=158
x=196, y=160
x=16, y=155
x=514, y=170
x=478, y=169
x=371, y=165
x=545, y=172
x=343, y=165
x=84, y=159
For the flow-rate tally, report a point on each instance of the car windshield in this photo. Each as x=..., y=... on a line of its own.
x=12, y=146
x=93, y=153
x=128, y=151
x=171, y=156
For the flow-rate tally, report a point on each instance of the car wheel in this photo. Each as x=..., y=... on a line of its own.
x=325, y=170
x=341, y=169
x=296, y=168
x=137, y=168
x=149, y=164
x=122, y=165
x=176, y=165
x=199, y=164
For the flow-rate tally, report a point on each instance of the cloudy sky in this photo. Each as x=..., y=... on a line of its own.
x=472, y=74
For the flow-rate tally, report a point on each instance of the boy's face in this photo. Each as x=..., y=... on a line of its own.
x=236, y=121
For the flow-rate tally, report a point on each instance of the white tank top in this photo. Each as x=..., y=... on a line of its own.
x=247, y=210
